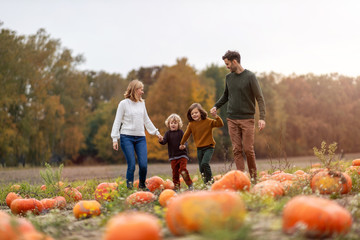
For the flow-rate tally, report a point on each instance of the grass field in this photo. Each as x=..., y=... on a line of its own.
x=264, y=215
x=74, y=173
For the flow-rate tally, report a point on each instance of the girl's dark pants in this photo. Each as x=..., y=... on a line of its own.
x=204, y=155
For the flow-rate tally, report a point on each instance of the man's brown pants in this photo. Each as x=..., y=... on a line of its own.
x=242, y=133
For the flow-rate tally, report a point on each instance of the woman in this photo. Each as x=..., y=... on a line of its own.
x=131, y=117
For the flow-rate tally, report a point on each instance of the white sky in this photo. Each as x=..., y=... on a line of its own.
x=285, y=36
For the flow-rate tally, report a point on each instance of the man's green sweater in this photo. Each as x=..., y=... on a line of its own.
x=241, y=90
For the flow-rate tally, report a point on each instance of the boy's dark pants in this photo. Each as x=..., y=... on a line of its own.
x=179, y=167
x=204, y=156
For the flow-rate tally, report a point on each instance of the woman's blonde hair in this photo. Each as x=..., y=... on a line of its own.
x=173, y=117
x=131, y=90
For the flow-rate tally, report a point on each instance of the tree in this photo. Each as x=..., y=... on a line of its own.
x=214, y=77
x=103, y=86
x=41, y=88
x=175, y=90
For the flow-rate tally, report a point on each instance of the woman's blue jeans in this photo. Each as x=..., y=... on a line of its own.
x=131, y=145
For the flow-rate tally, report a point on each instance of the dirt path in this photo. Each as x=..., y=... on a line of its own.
x=31, y=175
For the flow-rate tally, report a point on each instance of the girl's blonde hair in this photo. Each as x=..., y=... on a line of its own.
x=131, y=90
x=173, y=117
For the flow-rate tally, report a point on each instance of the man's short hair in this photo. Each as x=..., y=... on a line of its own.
x=231, y=55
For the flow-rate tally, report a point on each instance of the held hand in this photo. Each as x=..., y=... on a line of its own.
x=182, y=147
x=115, y=146
x=213, y=110
x=214, y=114
x=261, y=125
x=161, y=138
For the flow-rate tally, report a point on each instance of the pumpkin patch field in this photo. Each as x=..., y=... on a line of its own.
x=303, y=201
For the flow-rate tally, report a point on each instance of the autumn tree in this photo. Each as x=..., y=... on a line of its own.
x=175, y=90
x=34, y=106
x=48, y=106
x=12, y=94
x=147, y=75
x=99, y=123
x=214, y=78
x=103, y=86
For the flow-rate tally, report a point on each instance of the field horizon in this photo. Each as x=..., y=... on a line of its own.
x=105, y=172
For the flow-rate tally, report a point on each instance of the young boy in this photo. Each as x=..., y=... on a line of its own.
x=178, y=158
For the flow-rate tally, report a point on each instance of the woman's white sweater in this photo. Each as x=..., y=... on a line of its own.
x=131, y=118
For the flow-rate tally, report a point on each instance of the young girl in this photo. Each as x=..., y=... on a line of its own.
x=200, y=126
x=178, y=158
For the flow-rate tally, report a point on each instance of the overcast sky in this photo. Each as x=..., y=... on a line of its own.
x=285, y=36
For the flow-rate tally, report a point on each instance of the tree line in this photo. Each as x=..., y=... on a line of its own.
x=52, y=112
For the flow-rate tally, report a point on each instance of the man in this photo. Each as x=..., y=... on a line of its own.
x=241, y=90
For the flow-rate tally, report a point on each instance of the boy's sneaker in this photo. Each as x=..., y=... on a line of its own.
x=191, y=187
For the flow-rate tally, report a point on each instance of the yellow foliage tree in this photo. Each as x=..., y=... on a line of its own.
x=175, y=90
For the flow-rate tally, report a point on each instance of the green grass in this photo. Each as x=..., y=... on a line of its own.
x=264, y=213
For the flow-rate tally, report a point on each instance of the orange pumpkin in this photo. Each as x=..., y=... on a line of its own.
x=328, y=182
x=168, y=184
x=60, y=184
x=11, y=197
x=353, y=169
x=315, y=170
x=234, y=180
x=105, y=191
x=133, y=225
x=22, y=206
x=301, y=175
x=269, y=187
x=205, y=211
x=140, y=198
x=299, y=172
x=287, y=185
x=155, y=183
x=316, y=165
x=49, y=203
x=265, y=177
x=15, y=187
x=84, y=209
x=263, y=173
x=320, y=217
x=217, y=177
x=282, y=176
x=356, y=162
x=81, y=187
x=60, y=202
x=347, y=184
x=136, y=184
x=73, y=194
x=166, y=196
x=12, y=228
x=277, y=172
